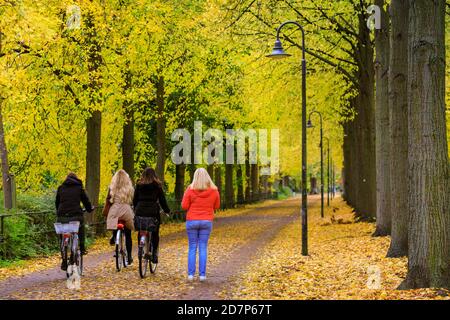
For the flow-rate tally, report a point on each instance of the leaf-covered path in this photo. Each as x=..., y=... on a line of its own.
x=254, y=253
x=235, y=242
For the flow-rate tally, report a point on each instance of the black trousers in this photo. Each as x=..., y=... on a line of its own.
x=128, y=240
x=81, y=233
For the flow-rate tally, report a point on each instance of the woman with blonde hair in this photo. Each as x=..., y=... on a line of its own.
x=200, y=200
x=120, y=195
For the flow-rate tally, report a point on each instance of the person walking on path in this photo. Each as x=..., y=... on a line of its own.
x=148, y=197
x=68, y=198
x=120, y=195
x=200, y=200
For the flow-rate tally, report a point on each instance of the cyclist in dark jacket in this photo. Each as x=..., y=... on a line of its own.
x=68, y=198
x=148, y=197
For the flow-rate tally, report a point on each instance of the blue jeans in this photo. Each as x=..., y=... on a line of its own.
x=198, y=232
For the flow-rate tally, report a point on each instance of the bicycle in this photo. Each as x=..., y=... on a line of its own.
x=121, y=253
x=145, y=226
x=69, y=239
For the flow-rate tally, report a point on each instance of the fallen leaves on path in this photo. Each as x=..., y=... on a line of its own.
x=344, y=262
x=101, y=244
x=169, y=281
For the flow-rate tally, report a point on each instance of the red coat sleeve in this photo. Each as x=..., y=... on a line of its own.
x=186, y=202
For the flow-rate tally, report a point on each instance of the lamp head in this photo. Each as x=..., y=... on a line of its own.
x=309, y=124
x=278, y=51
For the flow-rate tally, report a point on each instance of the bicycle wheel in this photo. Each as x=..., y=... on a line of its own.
x=142, y=260
x=123, y=250
x=65, y=257
x=80, y=262
x=118, y=254
x=78, y=256
x=150, y=262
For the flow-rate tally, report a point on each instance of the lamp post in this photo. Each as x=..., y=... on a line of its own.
x=328, y=172
x=309, y=125
x=333, y=182
x=332, y=179
x=278, y=53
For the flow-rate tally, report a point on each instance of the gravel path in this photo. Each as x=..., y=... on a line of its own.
x=235, y=241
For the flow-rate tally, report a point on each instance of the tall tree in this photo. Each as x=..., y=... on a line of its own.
x=254, y=178
x=240, y=184
x=180, y=173
x=7, y=195
x=429, y=191
x=128, y=129
x=383, y=223
x=160, y=129
x=218, y=177
x=248, y=185
x=229, y=186
x=398, y=121
x=94, y=122
x=338, y=39
x=7, y=192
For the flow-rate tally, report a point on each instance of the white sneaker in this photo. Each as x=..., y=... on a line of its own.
x=202, y=278
x=190, y=278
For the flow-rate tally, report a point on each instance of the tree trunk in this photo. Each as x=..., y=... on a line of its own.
x=313, y=185
x=128, y=144
x=269, y=189
x=240, y=184
x=254, y=181
x=229, y=187
x=346, y=146
x=218, y=179
x=192, y=167
x=191, y=170
x=210, y=170
x=398, y=119
x=94, y=129
x=365, y=122
x=94, y=122
x=383, y=213
x=429, y=192
x=265, y=186
x=160, y=130
x=248, y=188
x=128, y=128
x=7, y=190
x=180, y=171
x=351, y=160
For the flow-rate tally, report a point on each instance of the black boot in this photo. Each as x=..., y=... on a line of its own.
x=130, y=259
x=64, y=265
x=155, y=257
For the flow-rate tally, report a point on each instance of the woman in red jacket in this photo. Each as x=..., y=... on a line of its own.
x=200, y=200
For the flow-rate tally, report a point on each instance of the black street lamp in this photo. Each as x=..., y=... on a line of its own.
x=333, y=181
x=328, y=172
x=309, y=125
x=278, y=53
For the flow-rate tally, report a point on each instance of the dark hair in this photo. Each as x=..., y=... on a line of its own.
x=72, y=175
x=149, y=176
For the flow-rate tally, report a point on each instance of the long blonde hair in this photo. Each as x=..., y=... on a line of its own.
x=121, y=187
x=202, y=180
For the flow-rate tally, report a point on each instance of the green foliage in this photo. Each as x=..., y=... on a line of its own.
x=29, y=230
x=284, y=193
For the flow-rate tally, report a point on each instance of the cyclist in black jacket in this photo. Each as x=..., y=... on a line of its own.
x=68, y=198
x=148, y=197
